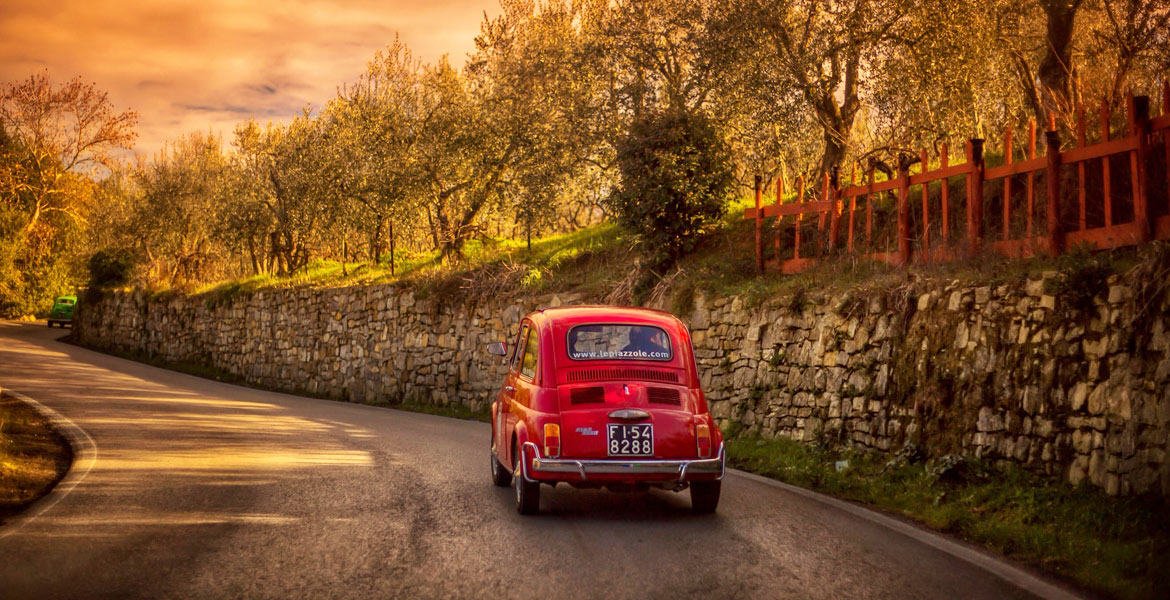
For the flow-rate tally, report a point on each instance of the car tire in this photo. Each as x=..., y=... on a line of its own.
x=527, y=493
x=500, y=475
x=50, y=324
x=705, y=496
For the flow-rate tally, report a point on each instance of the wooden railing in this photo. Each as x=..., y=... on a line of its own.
x=1112, y=208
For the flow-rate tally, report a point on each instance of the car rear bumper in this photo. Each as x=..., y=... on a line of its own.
x=564, y=469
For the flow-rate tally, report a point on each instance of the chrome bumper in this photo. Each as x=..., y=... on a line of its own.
x=681, y=468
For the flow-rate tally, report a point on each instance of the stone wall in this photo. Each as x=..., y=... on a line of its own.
x=1007, y=372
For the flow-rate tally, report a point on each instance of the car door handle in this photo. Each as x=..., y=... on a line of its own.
x=508, y=388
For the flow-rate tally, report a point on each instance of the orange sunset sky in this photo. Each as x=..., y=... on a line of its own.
x=208, y=64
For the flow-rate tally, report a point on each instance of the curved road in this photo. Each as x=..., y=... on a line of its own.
x=202, y=489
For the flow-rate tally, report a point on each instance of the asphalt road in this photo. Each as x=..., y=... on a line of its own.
x=198, y=489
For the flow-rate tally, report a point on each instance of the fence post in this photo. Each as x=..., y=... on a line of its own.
x=799, y=199
x=1166, y=134
x=1007, y=185
x=903, y=211
x=759, y=226
x=943, y=161
x=1032, y=178
x=852, y=210
x=925, y=206
x=1139, y=111
x=975, y=195
x=834, y=215
x=1106, y=173
x=779, y=218
x=1082, y=220
x=1055, y=233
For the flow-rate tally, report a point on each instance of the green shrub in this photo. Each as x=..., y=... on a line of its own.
x=110, y=268
x=1083, y=276
x=676, y=173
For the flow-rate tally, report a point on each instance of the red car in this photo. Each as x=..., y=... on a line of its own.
x=601, y=396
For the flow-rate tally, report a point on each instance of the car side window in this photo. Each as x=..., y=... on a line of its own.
x=531, y=351
x=518, y=348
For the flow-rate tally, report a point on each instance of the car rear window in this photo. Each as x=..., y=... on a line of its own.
x=619, y=342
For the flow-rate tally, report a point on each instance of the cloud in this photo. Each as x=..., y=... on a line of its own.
x=241, y=110
x=207, y=65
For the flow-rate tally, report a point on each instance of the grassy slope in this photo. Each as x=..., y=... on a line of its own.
x=568, y=261
x=33, y=457
x=595, y=260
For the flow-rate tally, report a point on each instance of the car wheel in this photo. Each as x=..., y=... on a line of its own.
x=50, y=324
x=705, y=496
x=527, y=494
x=500, y=476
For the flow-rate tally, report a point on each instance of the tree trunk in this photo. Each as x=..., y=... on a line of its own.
x=1056, y=68
x=836, y=138
x=252, y=254
x=376, y=245
x=434, y=231
x=837, y=119
x=38, y=207
x=277, y=256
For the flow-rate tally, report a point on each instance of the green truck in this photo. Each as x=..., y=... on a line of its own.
x=62, y=313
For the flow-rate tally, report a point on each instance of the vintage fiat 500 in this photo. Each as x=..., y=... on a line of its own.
x=602, y=396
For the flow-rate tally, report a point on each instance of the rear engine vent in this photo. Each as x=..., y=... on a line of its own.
x=664, y=396
x=623, y=373
x=589, y=395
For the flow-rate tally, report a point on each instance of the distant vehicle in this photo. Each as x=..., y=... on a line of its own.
x=601, y=396
x=62, y=313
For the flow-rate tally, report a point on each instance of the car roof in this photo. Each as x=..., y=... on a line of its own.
x=572, y=315
x=59, y=298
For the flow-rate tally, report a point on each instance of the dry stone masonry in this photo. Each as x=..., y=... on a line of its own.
x=1006, y=372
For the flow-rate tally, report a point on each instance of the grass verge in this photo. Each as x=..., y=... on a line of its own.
x=33, y=456
x=1112, y=545
x=455, y=411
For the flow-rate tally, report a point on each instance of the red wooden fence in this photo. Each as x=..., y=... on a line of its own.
x=915, y=237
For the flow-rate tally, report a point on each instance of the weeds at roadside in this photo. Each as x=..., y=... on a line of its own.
x=454, y=411
x=1115, y=545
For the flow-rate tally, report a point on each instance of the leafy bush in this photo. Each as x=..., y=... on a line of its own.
x=1083, y=276
x=110, y=268
x=36, y=267
x=676, y=173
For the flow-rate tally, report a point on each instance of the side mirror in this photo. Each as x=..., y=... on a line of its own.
x=497, y=348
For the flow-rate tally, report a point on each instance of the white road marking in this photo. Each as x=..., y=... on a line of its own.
x=85, y=453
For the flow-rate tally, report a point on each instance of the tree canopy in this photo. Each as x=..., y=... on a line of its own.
x=568, y=112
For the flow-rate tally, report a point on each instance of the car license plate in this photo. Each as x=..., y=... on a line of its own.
x=628, y=439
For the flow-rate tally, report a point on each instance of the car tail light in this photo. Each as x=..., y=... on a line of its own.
x=703, y=439
x=552, y=440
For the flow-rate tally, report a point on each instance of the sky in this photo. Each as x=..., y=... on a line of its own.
x=200, y=65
